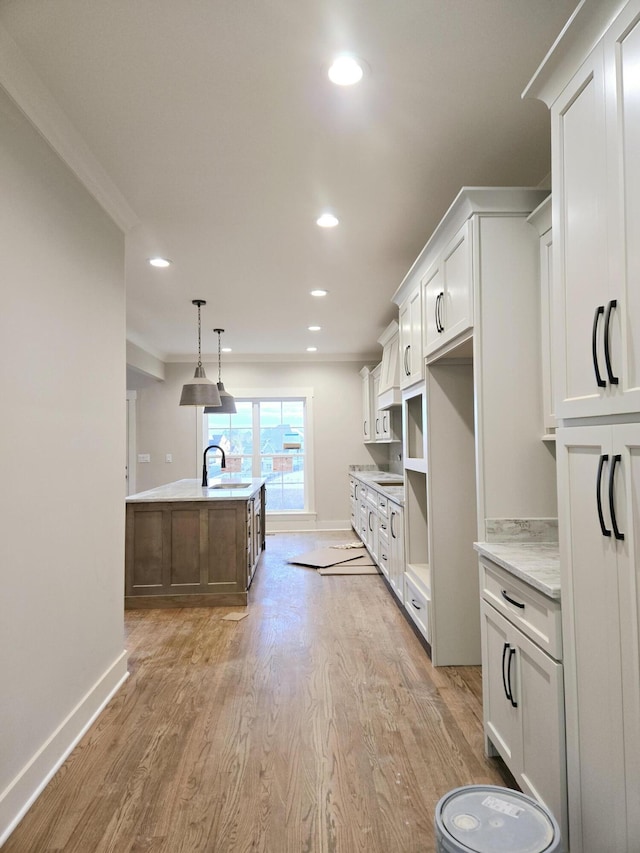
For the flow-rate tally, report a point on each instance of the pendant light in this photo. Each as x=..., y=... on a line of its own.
x=227, y=403
x=202, y=391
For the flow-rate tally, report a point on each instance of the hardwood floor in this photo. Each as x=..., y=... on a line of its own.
x=315, y=724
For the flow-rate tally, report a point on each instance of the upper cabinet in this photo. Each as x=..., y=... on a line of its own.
x=438, y=298
x=595, y=123
x=389, y=393
x=447, y=295
x=411, y=356
x=540, y=219
x=377, y=425
x=367, y=404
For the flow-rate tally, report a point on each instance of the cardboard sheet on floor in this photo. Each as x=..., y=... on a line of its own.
x=324, y=557
x=235, y=617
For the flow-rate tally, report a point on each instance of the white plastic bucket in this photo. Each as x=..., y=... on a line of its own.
x=490, y=819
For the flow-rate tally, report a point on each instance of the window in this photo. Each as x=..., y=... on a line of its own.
x=265, y=438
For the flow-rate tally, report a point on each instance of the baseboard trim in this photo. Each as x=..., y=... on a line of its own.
x=23, y=791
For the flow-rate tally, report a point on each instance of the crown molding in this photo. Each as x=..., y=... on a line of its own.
x=31, y=96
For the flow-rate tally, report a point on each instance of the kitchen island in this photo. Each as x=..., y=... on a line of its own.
x=194, y=546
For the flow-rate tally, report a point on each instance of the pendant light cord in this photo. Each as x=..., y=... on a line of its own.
x=219, y=357
x=199, y=355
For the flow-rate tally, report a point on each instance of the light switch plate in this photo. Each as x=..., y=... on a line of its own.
x=144, y=457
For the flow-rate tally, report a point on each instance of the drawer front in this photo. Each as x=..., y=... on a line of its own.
x=536, y=615
x=383, y=528
x=383, y=557
x=382, y=505
x=417, y=605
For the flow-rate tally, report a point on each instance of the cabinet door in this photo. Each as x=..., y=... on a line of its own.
x=396, y=543
x=367, y=402
x=626, y=443
x=622, y=57
x=411, y=339
x=433, y=308
x=539, y=693
x=581, y=270
x=501, y=713
x=592, y=641
x=546, y=329
x=458, y=290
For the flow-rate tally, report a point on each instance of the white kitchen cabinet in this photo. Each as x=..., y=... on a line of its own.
x=595, y=138
x=447, y=295
x=367, y=405
x=377, y=425
x=396, y=549
x=589, y=81
x=599, y=495
x=411, y=356
x=523, y=702
x=540, y=219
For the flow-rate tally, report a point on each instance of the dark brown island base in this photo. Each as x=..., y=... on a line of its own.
x=194, y=546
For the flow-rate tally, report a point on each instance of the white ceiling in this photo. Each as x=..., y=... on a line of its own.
x=216, y=122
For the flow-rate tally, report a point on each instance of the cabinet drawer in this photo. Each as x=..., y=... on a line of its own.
x=382, y=505
x=383, y=557
x=383, y=529
x=536, y=615
x=417, y=605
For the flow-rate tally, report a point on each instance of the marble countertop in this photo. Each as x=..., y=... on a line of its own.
x=535, y=563
x=378, y=480
x=192, y=490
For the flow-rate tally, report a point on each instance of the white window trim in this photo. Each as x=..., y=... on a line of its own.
x=279, y=394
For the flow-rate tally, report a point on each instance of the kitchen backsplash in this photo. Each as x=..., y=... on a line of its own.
x=521, y=529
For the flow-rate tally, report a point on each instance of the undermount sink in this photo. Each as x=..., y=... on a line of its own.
x=231, y=485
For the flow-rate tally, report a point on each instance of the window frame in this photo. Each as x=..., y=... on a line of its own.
x=255, y=396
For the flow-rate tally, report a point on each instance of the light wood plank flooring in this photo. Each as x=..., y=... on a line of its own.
x=315, y=724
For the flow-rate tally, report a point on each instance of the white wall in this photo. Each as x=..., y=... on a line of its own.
x=165, y=427
x=62, y=369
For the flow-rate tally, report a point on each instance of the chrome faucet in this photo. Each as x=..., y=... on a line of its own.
x=205, y=477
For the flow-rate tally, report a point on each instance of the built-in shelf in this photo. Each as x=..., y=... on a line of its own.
x=421, y=573
x=414, y=426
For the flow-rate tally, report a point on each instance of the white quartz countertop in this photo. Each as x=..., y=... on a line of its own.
x=535, y=563
x=380, y=480
x=219, y=489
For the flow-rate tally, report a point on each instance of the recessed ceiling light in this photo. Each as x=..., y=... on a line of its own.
x=160, y=262
x=327, y=220
x=318, y=292
x=345, y=71
x=314, y=328
x=312, y=349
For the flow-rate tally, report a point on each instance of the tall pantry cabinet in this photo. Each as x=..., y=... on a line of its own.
x=591, y=83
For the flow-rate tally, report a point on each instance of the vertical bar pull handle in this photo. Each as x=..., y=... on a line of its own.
x=607, y=349
x=406, y=360
x=393, y=533
x=512, y=654
x=594, y=346
x=612, y=509
x=505, y=649
x=603, y=527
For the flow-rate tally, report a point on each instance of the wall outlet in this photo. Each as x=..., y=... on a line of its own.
x=144, y=457
x=168, y=457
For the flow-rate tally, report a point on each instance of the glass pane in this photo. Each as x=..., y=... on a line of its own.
x=278, y=449
x=234, y=434
x=285, y=482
